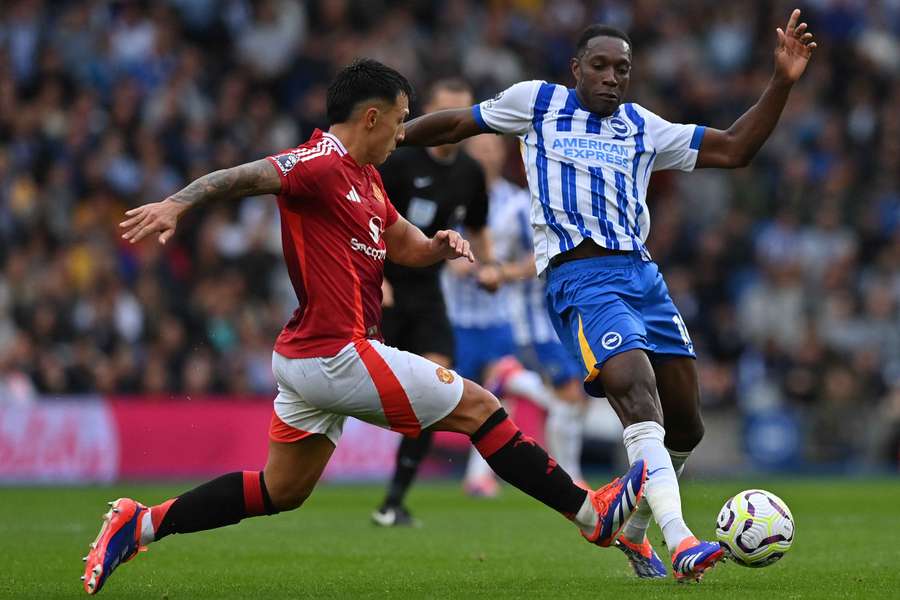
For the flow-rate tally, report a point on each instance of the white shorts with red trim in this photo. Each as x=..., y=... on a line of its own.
x=368, y=380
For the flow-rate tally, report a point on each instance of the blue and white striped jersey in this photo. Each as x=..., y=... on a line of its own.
x=587, y=174
x=522, y=304
x=468, y=304
x=512, y=237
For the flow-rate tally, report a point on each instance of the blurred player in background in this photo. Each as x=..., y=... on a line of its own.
x=536, y=344
x=588, y=158
x=434, y=189
x=483, y=322
x=338, y=226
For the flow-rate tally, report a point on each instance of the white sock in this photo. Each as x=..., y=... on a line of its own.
x=636, y=527
x=147, y=533
x=564, y=432
x=529, y=384
x=477, y=468
x=645, y=440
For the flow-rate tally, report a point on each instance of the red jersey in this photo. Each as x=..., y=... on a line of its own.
x=333, y=214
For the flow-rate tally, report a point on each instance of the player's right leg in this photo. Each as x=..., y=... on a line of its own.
x=517, y=459
x=291, y=472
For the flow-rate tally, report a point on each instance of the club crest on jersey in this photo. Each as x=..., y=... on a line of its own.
x=444, y=375
x=376, y=226
x=620, y=127
x=376, y=191
x=611, y=340
x=496, y=98
x=286, y=162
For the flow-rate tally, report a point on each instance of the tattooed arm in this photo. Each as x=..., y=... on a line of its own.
x=250, y=179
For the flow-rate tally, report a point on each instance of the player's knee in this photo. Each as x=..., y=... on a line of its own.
x=484, y=403
x=634, y=394
x=475, y=406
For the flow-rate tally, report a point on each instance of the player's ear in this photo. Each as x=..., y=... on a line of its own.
x=575, y=64
x=371, y=116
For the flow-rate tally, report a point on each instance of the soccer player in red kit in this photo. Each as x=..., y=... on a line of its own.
x=338, y=227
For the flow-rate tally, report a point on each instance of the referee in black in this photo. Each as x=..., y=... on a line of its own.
x=434, y=188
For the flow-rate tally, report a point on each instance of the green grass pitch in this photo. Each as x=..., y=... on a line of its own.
x=511, y=547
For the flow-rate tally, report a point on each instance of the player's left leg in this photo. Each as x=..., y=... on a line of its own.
x=302, y=437
x=291, y=472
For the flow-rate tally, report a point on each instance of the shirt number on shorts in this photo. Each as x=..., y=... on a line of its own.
x=682, y=329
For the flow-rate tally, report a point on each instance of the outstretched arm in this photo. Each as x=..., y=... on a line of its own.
x=441, y=127
x=736, y=146
x=249, y=179
x=408, y=246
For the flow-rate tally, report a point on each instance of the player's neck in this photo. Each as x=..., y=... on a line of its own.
x=352, y=142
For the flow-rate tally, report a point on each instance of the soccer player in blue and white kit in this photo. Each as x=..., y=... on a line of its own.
x=483, y=320
x=588, y=158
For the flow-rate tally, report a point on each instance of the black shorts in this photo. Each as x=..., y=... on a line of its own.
x=418, y=322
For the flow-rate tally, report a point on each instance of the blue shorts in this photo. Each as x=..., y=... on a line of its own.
x=552, y=360
x=607, y=305
x=477, y=347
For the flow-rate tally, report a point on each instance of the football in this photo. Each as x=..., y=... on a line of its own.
x=756, y=528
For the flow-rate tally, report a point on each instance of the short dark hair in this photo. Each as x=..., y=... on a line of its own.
x=449, y=84
x=599, y=30
x=363, y=79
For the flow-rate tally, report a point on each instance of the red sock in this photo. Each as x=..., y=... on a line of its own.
x=222, y=501
x=520, y=461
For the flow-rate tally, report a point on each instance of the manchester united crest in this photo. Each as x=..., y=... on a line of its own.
x=376, y=191
x=444, y=375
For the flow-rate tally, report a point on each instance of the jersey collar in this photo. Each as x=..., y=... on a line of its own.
x=336, y=141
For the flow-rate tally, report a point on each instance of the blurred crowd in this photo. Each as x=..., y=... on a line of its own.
x=787, y=272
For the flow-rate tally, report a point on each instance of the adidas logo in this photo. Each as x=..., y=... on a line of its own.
x=352, y=196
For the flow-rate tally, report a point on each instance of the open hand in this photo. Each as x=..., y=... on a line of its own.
x=794, y=48
x=156, y=217
x=450, y=245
